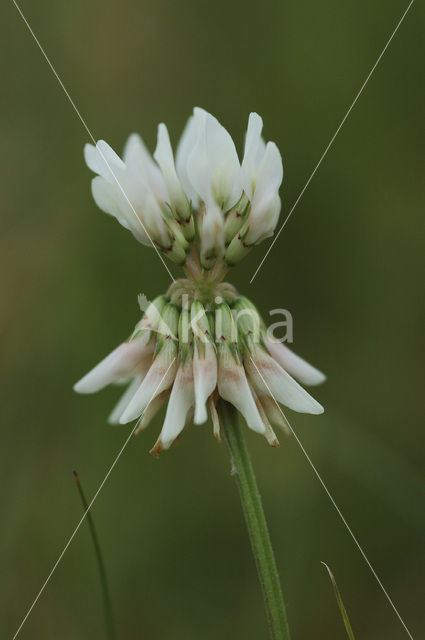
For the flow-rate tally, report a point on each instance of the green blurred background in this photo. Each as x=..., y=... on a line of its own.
x=348, y=265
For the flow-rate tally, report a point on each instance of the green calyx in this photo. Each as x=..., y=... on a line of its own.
x=234, y=328
x=150, y=319
x=168, y=327
x=235, y=219
x=185, y=336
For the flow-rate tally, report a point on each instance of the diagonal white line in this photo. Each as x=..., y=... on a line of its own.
x=88, y=508
x=331, y=141
x=338, y=510
x=90, y=135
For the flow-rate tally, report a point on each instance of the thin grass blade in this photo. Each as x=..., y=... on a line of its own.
x=341, y=606
x=109, y=618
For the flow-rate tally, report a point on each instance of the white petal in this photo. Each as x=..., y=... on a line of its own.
x=132, y=191
x=268, y=378
x=198, y=168
x=151, y=410
x=212, y=233
x=181, y=400
x=205, y=378
x=105, y=196
x=265, y=206
x=184, y=148
x=213, y=165
x=121, y=363
x=164, y=157
x=262, y=222
x=293, y=364
x=253, y=153
x=109, y=199
x=270, y=176
x=103, y=160
x=141, y=165
x=114, y=417
x=159, y=378
x=233, y=387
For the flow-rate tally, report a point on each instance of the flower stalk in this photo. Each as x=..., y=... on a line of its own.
x=256, y=523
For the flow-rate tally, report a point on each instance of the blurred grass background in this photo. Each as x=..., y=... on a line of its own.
x=348, y=265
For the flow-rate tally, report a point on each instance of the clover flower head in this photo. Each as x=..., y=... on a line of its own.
x=201, y=340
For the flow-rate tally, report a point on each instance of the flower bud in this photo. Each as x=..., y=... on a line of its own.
x=235, y=219
x=177, y=245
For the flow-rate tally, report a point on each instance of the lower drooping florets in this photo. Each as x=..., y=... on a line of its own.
x=190, y=353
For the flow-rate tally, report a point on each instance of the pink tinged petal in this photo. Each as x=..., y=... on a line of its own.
x=293, y=364
x=205, y=379
x=114, y=417
x=253, y=153
x=121, y=363
x=181, y=401
x=233, y=387
x=159, y=378
x=269, y=434
x=184, y=148
x=215, y=418
x=268, y=378
x=151, y=410
x=274, y=414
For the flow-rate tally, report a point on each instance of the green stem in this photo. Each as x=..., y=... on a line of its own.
x=109, y=618
x=256, y=523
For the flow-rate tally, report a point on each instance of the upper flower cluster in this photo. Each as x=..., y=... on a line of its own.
x=204, y=194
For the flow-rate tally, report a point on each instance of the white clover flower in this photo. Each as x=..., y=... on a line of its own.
x=201, y=341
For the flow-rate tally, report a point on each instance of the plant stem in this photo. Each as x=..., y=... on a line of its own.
x=109, y=618
x=256, y=523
